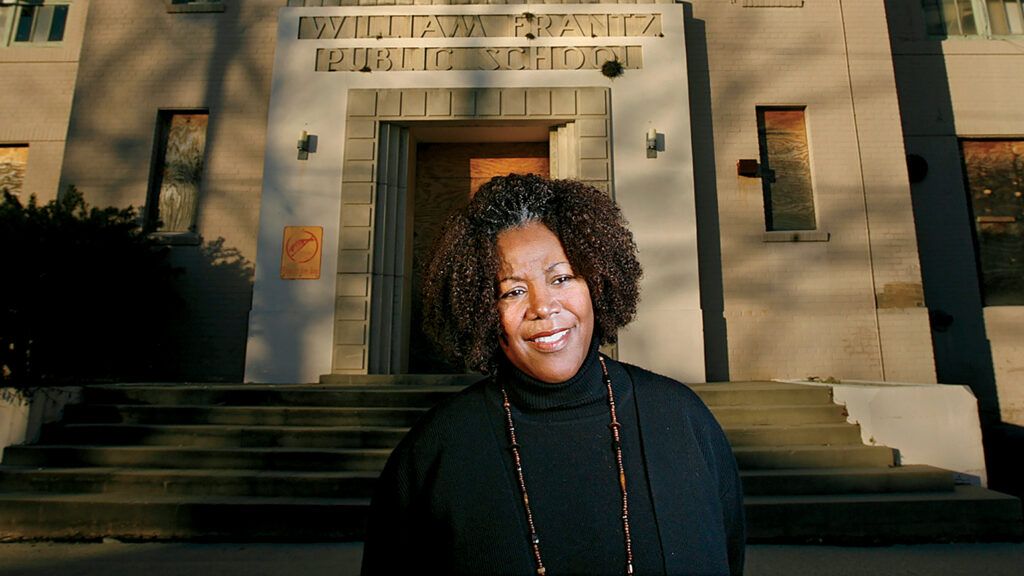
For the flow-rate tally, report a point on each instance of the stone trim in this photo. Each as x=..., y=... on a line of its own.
x=796, y=236
x=589, y=108
x=772, y=3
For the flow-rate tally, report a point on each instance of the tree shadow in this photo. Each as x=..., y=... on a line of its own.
x=216, y=62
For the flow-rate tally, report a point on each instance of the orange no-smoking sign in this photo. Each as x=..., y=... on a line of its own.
x=300, y=252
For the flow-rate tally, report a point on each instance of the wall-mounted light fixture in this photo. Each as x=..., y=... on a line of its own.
x=747, y=167
x=306, y=145
x=652, y=143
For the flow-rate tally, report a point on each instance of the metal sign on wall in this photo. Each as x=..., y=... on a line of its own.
x=300, y=252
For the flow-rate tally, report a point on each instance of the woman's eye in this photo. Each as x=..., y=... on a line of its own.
x=562, y=279
x=513, y=293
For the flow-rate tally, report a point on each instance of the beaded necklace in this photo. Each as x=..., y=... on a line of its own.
x=616, y=445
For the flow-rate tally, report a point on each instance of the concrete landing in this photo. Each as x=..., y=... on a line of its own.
x=342, y=559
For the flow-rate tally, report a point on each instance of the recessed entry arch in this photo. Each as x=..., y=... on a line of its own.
x=383, y=128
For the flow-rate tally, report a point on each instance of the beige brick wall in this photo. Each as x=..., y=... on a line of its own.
x=35, y=101
x=137, y=59
x=809, y=308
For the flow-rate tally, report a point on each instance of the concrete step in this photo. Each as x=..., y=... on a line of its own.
x=363, y=380
x=796, y=414
x=189, y=482
x=761, y=394
x=226, y=436
x=92, y=516
x=736, y=416
x=401, y=395
x=841, y=434
x=67, y=456
x=967, y=514
x=796, y=481
x=304, y=458
x=302, y=483
x=397, y=396
x=244, y=415
x=775, y=458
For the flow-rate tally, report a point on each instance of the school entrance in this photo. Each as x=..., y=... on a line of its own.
x=425, y=171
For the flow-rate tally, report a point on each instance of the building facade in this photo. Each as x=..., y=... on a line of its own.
x=39, y=64
x=806, y=179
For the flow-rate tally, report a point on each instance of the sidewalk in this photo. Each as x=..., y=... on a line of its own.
x=187, y=559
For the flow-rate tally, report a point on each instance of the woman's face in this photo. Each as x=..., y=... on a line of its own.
x=546, y=314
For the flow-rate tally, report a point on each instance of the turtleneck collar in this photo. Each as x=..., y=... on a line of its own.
x=528, y=394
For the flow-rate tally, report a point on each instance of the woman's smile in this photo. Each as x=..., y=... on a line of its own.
x=551, y=339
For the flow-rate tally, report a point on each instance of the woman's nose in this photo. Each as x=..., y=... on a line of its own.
x=543, y=303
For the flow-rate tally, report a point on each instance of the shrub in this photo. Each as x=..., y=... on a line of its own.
x=86, y=295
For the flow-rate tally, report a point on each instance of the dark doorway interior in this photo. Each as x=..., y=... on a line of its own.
x=447, y=175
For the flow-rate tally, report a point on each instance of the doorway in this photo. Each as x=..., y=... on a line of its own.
x=384, y=131
x=446, y=177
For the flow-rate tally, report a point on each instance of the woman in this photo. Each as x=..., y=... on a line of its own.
x=562, y=460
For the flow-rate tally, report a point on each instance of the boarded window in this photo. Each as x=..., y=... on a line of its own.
x=178, y=171
x=785, y=169
x=13, y=162
x=995, y=182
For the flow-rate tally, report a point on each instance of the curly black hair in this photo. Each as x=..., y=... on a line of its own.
x=460, y=299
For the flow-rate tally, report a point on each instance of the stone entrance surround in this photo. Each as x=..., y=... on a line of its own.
x=368, y=112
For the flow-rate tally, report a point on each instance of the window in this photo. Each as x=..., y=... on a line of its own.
x=33, y=21
x=994, y=170
x=785, y=169
x=177, y=171
x=974, y=17
x=13, y=162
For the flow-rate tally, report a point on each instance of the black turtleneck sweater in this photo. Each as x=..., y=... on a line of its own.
x=448, y=499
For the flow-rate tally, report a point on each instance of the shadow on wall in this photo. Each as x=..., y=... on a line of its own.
x=1004, y=443
x=216, y=284
x=217, y=62
x=942, y=217
x=709, y=248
